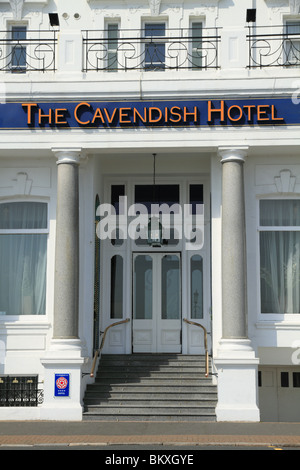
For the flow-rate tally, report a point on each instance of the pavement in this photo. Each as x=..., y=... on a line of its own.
x=28, y=433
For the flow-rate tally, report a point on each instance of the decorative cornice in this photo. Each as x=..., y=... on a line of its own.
x=295, y=7
x=154, y=7
x=17, y=9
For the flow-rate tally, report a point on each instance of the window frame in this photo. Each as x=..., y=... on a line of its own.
x=112, y=65
x=291, y=45
x=193, y=42
x=272, y=316
x=44, y=231
x=18, y=69
x=150, y=39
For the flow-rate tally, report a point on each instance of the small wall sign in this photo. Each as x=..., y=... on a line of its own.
x=62, y=385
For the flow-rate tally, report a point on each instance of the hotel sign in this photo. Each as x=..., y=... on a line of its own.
x=123, y=114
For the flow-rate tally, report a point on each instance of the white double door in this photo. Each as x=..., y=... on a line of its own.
x=156, y=324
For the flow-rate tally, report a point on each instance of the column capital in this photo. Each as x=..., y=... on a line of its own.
x=67, y=155
x=231, y=154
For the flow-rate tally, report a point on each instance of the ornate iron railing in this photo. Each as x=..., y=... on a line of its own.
x=29, y=51
x=274, y=46
x=20, y=391
x=136, y=50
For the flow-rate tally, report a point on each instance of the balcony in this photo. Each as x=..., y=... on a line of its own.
x=24, y=51
x=155, y=49
x=274, y=46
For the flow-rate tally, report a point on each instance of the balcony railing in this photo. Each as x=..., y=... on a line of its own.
x=274, y=46
x=28, y=51
x=136, y=50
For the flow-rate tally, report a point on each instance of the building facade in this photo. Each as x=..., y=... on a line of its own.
x=150, y=180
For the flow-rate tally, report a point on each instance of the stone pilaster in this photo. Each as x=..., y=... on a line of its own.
x=234, y=282
x=235, y=362
x=67, y=246
x=64, y=356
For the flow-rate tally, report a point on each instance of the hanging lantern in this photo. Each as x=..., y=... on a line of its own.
x=155, y=232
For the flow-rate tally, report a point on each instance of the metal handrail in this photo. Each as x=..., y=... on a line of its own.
x=205, y=344
x=102, y=343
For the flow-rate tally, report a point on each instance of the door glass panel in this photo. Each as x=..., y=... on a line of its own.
x=196, y=287
x=170, y=285
x=116, y=295
x=143, y=287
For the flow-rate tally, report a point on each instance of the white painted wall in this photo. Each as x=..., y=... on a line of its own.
x=125, y=152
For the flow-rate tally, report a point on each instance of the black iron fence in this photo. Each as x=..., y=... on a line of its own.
x=170, y=49
x=159, y=49
x=20, y=391
x=24, y=51
x=274, y=46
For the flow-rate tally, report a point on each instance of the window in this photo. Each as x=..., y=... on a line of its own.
x=284, y=379
x=196, y=287
x=116, y=294
x=292, y=43
x=196, y=197
x=197, y=52
x=143, y=288
x=155, y=46
x=23, y=258
x=112, y=46
x=18, y=53
x=166, y=196
x=117, y=192
x=280, y=256
x=170, y=291
x=296, y=379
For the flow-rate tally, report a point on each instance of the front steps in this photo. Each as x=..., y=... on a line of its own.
x=151, y=387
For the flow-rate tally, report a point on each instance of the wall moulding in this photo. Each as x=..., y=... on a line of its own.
x=293, y=5
x=41, y=2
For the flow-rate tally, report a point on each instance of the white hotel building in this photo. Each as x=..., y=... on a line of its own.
x=191, y=103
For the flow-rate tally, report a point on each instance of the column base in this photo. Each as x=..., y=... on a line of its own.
x=62, y=400
x=237, y=369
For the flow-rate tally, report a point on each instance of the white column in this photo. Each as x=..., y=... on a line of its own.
x=64, y=356
x=236, y=362
x=234, y=282
x=67, y=246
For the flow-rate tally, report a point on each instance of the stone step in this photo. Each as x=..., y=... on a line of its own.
x=150, y=387
x=154, y=410
x=175, y=382
x=122, y=392
x=152, y=357
x=149, y=401
x=95, y=416
x=157, y=366
x=208, y=388
x=133, y=376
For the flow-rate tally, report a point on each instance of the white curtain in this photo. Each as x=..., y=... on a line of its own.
x=280, y=257
x=23, y=259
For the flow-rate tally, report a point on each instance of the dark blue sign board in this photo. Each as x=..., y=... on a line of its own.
x=62, y=385
x=276, y=111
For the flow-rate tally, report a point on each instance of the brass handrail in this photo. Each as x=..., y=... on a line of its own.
x=205, y=344
x=102, y=344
